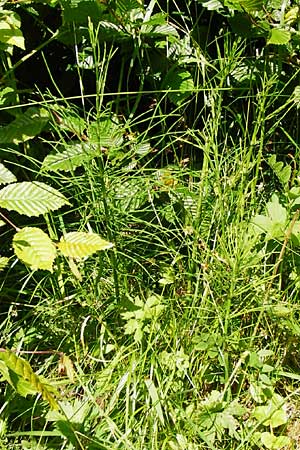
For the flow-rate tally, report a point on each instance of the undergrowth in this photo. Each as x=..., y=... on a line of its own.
x=163, y=313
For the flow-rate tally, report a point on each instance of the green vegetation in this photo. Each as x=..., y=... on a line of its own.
x=150, y=229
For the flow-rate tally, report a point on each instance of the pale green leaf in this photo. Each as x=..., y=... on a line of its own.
x=272, y=413
x=274, y=442
x=31, y=198
x=3, y=262
x=291, y=16
x=213, y=5
x=26, y=126
x=78, y=244
x=72, y=156
x=10, y=33
x=279, y=37
x=6, y=176
x=34, y=247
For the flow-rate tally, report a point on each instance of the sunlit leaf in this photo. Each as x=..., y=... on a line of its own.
x=34, y=248
x=6, y=176
x=3, y=262
x=31, y=198
x=26, y=126
x=72, y=156
x=19, y=374
x=279, y=37
x=78, y=244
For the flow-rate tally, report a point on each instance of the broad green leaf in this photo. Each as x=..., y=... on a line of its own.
x=273, y=413
x=274, y=223
x=20, y=375
x=31, y=198
x=7, y=96
x=26, y=126
x=79, y=11
x=34, y=248
x=274, y=442
x=10, y=32
x=68, y=120
x=279, y=37
x=105, y=133
x=180, y=84
x=72, y=156
x=3, y=262
x=6, y=176
x=78, y=244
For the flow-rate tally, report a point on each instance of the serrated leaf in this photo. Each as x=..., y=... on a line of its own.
x=6, y=176
x=31, y=198
x=73, y=156
x=180, y=83
x=78, y=244
x=105, y=132
x=124, y=6
x=26, y=126
x=3, y=262
x=34, y=248
x=279, y=37
x=20, y=375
